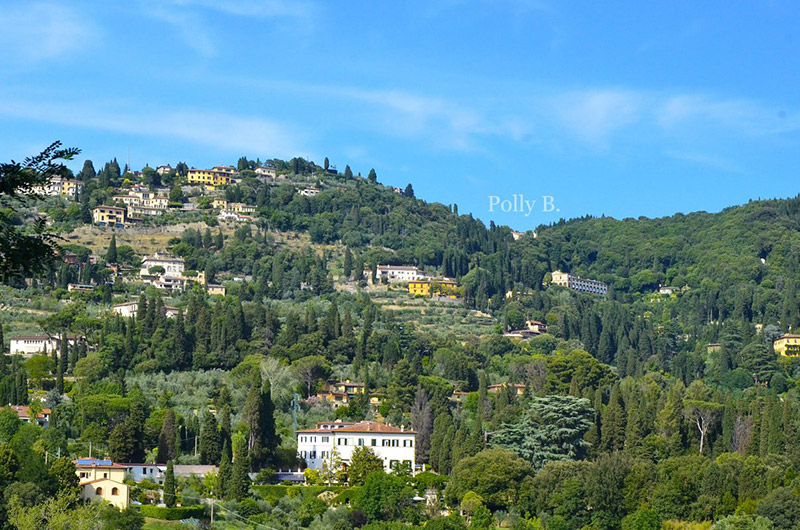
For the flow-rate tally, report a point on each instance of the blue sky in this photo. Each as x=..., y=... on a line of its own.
x=610, y=108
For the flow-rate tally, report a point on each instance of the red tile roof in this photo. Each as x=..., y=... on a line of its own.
x=362, y=427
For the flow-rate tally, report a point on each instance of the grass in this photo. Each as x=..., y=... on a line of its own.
x=158, y=524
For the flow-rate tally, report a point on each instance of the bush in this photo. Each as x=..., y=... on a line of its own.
x=174, y=514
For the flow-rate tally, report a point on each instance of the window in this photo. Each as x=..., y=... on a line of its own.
x=114, y=491
x=360, y=441
x=374, y=442
x=98, y=491
x=325, y=439
x=105, y=475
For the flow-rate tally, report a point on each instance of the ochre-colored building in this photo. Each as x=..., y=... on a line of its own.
x=217, y=176
x=433, y=287
x=788, y=345
x=104, y=481
x=109, y=216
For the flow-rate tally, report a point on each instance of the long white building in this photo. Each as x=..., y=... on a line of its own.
x=396, y=273
x=576, y=283
x=391, y=444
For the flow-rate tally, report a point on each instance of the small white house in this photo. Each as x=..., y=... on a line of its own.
x=129, y=309
x=152, y=472
x=391, y=444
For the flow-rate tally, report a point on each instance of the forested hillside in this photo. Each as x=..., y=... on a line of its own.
x=635, y=410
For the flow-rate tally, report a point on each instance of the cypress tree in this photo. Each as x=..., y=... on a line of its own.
x=209, y=439
x=169, y=486
x=167, y=437
x=348, y=263
x=225, y=471
x=240, y=481
x=111, y=253
x=776, y=432
x=614, y=422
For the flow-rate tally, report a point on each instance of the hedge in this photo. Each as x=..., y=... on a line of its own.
x=173, y=514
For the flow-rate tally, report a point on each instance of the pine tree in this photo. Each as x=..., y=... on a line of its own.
x=409, y=191
x=169, y=486
x=372, y=176
x=167, y=437
x=348, y=173
x=111, y=253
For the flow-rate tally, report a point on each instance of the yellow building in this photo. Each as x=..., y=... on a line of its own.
x=220, y=204
x=788, y=345
x=215, y=289
x=217, y=176
x=433, y=287
x=104, y=481
x=109, y=216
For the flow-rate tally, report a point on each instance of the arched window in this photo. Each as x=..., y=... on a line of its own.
x=114, y=491
x=99, y=491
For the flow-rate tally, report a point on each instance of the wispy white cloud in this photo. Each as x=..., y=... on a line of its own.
x=249, y=8
x=701, y=159
x=189, y=18
x=41, y=31
x=745, y=116
x=593, y=116
x=218, y=130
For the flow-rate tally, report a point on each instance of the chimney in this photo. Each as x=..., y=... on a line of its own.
x=402, y=428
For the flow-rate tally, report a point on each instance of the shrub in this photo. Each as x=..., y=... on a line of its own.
x=173, y=514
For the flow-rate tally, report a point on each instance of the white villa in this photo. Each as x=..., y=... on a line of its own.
x=173, y=266
x=34, y=344
x=396, y=273
x=129, y=309
x=391, y=444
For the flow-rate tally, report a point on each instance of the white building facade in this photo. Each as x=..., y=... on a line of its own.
x=173, y=267
x=34, y=344
x=391, y=444
x=396, y=273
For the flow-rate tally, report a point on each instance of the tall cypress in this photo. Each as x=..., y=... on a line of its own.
x=169, y=486
x=167, y=437
x=240, y=481
x=225, y=472
x=209, y=439
x=614, y=422
x=111, y=253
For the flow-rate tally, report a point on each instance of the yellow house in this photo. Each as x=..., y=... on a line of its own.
x=788, y=345
x=109, y=216
x=104, y=481
x=428, y=287
x=220, y=204
x=217, y=176
x=215, y=289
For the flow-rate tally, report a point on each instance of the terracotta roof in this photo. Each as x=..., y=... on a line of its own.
x=100, y=480
x=23, y=411
x=789, y=336
x=367, y=426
